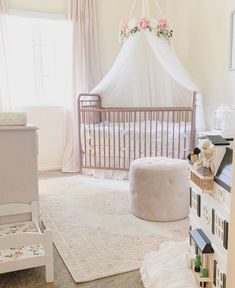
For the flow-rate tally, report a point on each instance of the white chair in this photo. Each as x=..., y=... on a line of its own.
x=23, y=245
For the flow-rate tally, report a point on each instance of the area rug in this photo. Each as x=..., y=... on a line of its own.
x=94, y=231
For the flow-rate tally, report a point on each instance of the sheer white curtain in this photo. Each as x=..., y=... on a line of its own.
x=147, y=72
x=86, y=70
x=4, y=89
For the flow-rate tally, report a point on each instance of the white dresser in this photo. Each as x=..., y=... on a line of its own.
x=18, y=166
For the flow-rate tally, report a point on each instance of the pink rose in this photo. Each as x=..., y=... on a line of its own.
x=143, y=23
x=124, y=26
x=162, y=24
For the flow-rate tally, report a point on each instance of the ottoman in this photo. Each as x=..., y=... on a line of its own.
x=159, y=188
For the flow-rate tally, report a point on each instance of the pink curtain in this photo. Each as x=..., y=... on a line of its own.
x=4, y=89
x=86, y=70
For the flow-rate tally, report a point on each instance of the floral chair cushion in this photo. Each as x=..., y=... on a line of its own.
x=24, y=252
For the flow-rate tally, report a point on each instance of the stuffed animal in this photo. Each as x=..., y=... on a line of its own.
x=207, y=156
x=194, y=156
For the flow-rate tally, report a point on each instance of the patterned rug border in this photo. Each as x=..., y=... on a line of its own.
x=62, y=245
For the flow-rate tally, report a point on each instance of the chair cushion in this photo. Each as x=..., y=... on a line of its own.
x=19, y=253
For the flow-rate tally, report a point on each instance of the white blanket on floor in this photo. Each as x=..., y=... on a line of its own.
x=168, y=267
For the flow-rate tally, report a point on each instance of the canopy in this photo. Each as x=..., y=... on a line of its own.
x=147, y=72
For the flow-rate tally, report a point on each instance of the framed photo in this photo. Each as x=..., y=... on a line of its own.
x=232, y=61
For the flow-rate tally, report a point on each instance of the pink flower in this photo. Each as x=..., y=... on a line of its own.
x=143, y=23
x=124, y=26
x=162, y=24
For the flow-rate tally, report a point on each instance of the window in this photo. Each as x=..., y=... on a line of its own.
x=219, y=227
x=40, y=52
x=206, y=214
x=220, y=194
x=232, y=63
x=195, y=200
x=220, y=278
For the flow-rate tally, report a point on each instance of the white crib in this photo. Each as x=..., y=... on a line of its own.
x=23, y=245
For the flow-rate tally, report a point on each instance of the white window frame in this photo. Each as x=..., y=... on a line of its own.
x=37, y=83
x=219, y=227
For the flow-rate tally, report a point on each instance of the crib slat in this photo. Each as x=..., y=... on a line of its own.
x=109, y=147
x=139, y=134
x=119, y=148
x=129, y=138
x=100, y=165
x=90, y=138
x=85, y=138
x=124, y=140
x=145, y=133
x=185, y=133
x=162, y=134
x=167, y=135
x=173, y=140
x=94, y=142
x=179, y=136
x=114, y=140
x=156, y=134
x=150, y=135
x=104, y=141
x=134, y=144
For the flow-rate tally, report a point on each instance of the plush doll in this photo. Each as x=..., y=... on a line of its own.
x=207, y=156
x=194, y=156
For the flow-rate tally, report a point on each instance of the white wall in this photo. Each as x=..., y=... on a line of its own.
x=110, y=13
x=51, y=135
x=202, y=40
x=48, y=6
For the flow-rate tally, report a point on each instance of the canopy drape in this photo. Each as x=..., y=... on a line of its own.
x=147, y=72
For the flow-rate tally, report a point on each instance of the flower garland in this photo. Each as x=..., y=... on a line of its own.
x=160, y=28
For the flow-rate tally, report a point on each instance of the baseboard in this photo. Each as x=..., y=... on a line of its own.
x=49, y=168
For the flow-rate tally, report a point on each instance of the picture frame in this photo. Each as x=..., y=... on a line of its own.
x=232, y=55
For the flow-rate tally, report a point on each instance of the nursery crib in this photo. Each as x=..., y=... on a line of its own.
x=110, y=138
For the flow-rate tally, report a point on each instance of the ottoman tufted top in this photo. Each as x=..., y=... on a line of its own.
x=159, y=188
x=159, y=163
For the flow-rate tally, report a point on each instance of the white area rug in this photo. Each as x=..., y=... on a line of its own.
x=95, y=233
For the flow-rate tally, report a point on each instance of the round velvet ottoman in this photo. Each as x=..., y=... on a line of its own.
x=159, y=188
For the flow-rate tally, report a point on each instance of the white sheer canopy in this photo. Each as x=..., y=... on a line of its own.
x=147, y=72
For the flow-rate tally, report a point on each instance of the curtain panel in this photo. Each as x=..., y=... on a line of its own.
x=86, y=70
x=4, y=88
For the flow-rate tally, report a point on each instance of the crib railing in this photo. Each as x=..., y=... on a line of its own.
x=110, y=138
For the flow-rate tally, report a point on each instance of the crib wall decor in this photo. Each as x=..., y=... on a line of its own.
x=110, y=138
x=210, y=195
